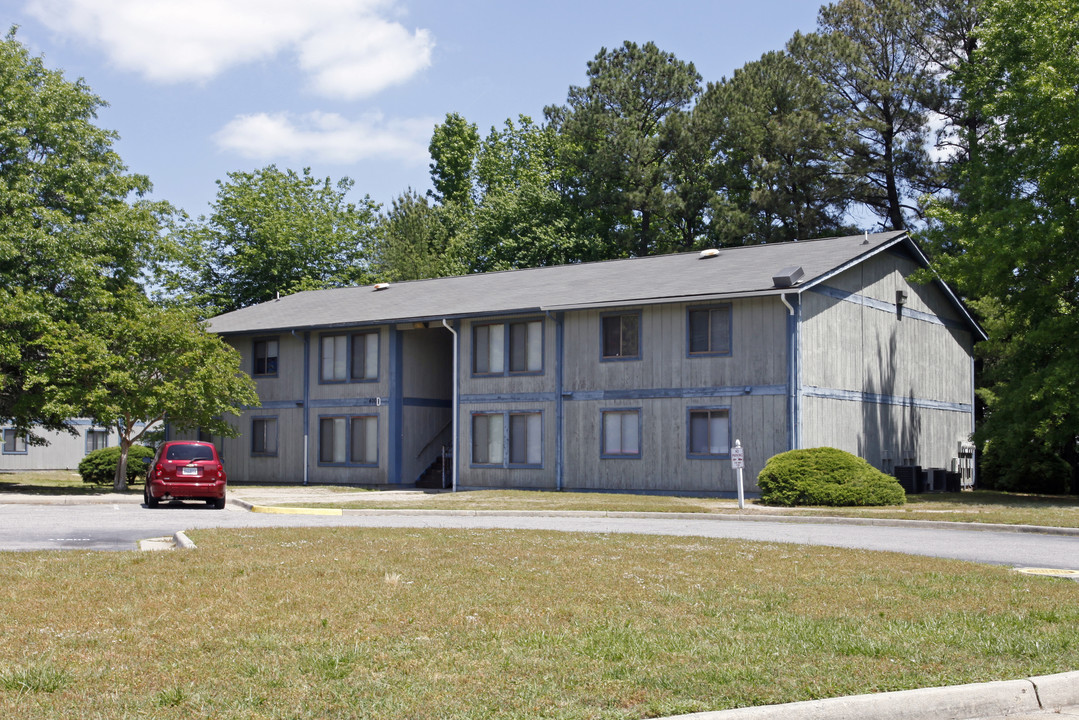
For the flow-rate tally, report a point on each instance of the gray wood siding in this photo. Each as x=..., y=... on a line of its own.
x=870, y=431
x=875, y=381
x=287, y=385
x=284, y=467
x=664, y=465
x=758, y=349
x=851, y=346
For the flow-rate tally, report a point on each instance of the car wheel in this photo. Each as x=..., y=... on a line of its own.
x=151, y=501
x=219, y=503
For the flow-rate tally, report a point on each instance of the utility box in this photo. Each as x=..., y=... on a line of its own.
x=964, y=465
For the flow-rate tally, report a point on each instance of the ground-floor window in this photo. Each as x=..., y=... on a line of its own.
x=709, y=432
x=96, y=438
x=263, y=436
x=513, y=439
x=621, y=433
x=13, y=442
x=349, y=440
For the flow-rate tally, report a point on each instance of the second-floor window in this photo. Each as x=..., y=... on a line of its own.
x=514, y=347
x=349, y=358
x=265, y=354
x=710, y=330
x=621, y=336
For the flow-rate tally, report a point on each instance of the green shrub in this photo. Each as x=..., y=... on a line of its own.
x=826, y=476
x=99, y=466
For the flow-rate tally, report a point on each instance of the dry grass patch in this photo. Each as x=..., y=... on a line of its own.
x=384, y=623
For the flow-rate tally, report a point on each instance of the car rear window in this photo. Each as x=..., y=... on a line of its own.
x=189, y=452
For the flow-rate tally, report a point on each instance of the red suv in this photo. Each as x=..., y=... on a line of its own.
x=185, y=470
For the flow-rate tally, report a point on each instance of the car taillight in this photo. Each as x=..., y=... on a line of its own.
x=159, y=470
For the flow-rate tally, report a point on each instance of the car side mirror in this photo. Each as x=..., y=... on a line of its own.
x=147, y=461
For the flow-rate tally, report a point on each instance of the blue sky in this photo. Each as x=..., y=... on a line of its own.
x=200, y=88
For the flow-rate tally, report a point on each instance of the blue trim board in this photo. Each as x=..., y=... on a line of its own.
x=560, y=413
x=630, y=394
x=674, y=393
x=877, y=399
x=397, y=374
x=884, y=306
x=306, y=405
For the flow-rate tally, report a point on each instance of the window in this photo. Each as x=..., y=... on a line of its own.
x=347, y=358
x=364, y=365
x=521, y=432
x=96, y=439
x=621, y=336
x=13, y=442
x=265, y=354
x=334, y=358
x=710, y=331
x=264, y=436
x=709, y=432
x=487, y=437
x=348, y=440
x=621, y=433
x=524, y=347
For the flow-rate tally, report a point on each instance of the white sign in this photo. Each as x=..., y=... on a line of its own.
x=738, y=457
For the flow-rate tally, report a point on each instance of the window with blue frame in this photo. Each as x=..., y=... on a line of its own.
x=709, y=432
x=96, y=438
x=507, y=439
x=348, y=357
x=348, y=440
x=264, y=436
x=264, y=351
x=709, y=330
x=621, y=433
x=621, y=336
x=14, y=443
x=514, y=347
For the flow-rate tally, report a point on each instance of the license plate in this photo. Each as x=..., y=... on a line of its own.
x=189, y=471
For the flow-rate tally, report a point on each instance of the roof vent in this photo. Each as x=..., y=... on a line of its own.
x=788, y=276
x=709, y=253
x=381, y=286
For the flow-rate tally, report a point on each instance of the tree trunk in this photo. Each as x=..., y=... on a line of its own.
x=119, y=481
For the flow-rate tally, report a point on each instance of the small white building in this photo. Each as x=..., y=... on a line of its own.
x=64, y=450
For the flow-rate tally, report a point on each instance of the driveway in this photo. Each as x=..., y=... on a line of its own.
x=120, y=525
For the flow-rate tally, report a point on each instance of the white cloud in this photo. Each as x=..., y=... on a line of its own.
x=326, y=138
x=350, y=48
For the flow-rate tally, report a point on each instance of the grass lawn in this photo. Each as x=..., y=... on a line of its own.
x=983, y=506
x=361, y=623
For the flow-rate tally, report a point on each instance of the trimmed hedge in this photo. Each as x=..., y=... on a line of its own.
x=99, y=466
x=826, y=476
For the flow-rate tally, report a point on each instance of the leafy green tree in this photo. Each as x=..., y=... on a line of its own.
x=776, y=145
x=147, y=364
x=412, y=242
x=73, y=229
x=453, y=148
x=866, y=54
x=1013, y=235
x=521, y=219
x=618, y=144
x=271, y=232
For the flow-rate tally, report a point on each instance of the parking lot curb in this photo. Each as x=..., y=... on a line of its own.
x=275, y=510
x=1032, y=696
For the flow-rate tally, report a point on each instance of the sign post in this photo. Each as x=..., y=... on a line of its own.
x=738, y=462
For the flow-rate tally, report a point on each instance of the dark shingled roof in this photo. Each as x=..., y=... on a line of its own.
x=744, y=271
